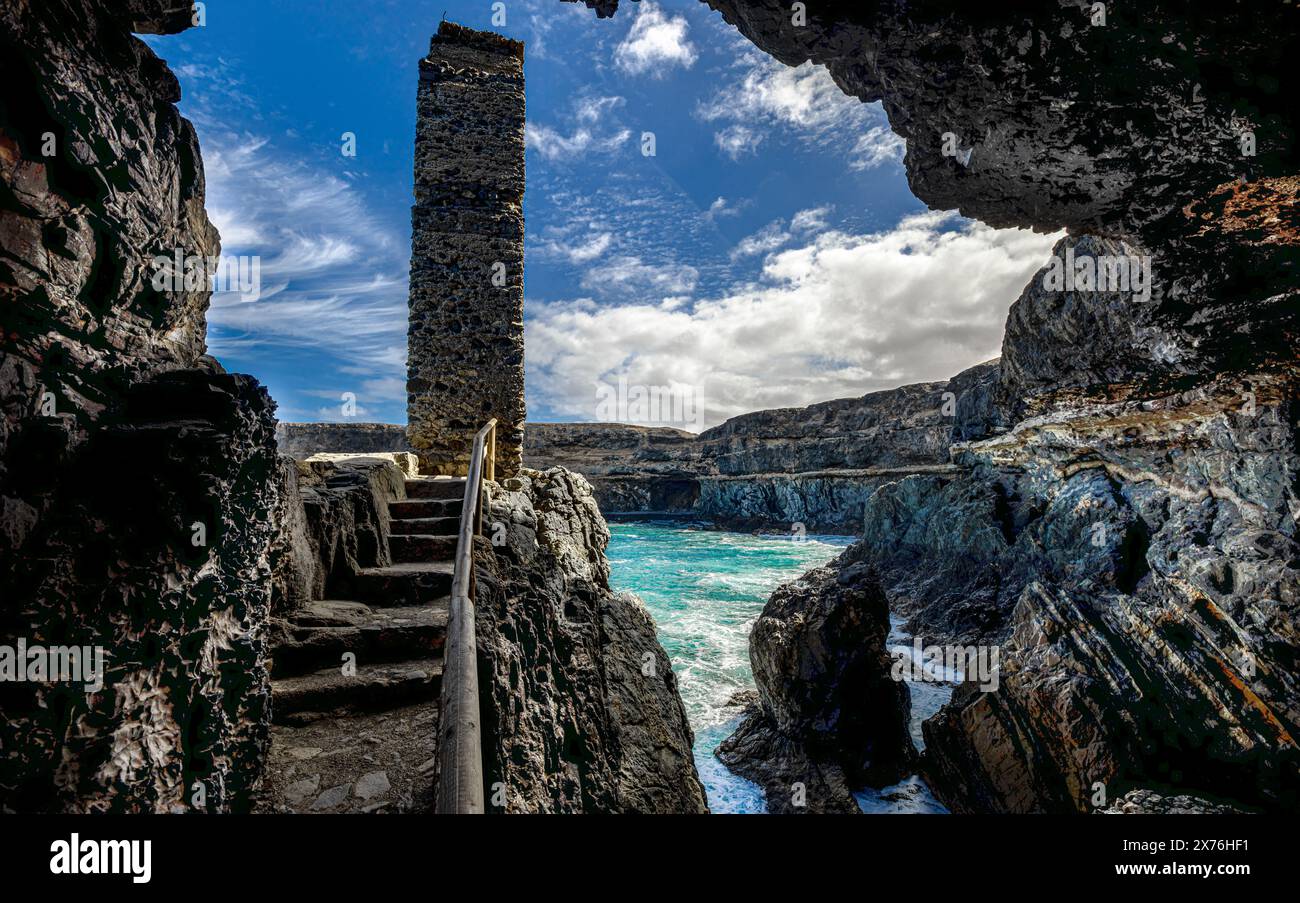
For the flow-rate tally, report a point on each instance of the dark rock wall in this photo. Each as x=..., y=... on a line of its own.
x=136, y=479
x=1124, y=520
x=828, y=718
x=466, y=358
x=582, y=712
x=302, y=440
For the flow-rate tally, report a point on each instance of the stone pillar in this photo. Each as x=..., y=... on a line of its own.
x=466, y=337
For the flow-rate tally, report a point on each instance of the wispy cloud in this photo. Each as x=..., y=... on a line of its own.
x=590, y=131
x=804, y=100
x=334, y=277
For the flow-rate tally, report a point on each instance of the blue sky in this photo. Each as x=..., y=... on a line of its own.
x=768, y=254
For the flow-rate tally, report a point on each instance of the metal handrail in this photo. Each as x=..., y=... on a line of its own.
x=460, y=749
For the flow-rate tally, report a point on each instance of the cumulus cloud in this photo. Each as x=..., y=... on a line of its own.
x=833, y=315
x=655, y=43
x=804, y=100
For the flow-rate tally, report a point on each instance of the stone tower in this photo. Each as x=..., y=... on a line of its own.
x=466, y=338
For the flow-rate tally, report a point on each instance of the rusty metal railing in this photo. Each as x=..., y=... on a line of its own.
x=460, y=746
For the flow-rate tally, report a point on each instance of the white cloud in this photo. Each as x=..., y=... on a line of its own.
x=581, y=248
x=334, y=278
x=629, y=276
x=769, y=238
x=655, y=43
x=553, y=145
x=737, y=140
x=837, y=316
x=811, y=220
x=775, y=235
x=720, y=208
x=805, y=100
x=589, y=112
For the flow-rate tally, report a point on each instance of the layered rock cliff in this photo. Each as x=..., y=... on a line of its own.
x=773, y=469
x=1122, y=522
x=136, y=478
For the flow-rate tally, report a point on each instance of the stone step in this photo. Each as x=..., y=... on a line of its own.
x=429, y=526
x=435, y=488
x=414, y=547
x=408, y=583
x=412, y=508
x=319, y=635
x=373, y=688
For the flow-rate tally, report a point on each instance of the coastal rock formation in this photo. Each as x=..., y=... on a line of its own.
x=829, y=717
x=779, y=469
x=581, y=711
x=1123, y=518
x=137, y=479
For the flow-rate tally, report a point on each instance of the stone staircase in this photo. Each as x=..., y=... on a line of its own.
x=394, y=621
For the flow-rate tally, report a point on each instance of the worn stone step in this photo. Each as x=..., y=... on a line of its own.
x=319, y=635
x=429, y=526
x=407, y=583
x=412, y=508
x=415, y=547
x=436, y=488
x=373, y=688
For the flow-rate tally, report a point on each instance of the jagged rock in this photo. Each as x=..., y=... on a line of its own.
x=156, y=549
x=303, y=440
x=830, y=715
x=1147, y=802
x=136, y=477
x=581, y=711
x=793, y=782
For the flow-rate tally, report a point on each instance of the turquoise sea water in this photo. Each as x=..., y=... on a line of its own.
x=705, y=589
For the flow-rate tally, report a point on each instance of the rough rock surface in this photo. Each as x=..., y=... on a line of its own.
x=829, y=717
x=466, y=337
x=581, y=712
x=1123, y=522
x=302, y=440
x=136, y=479
x=333, y=523
x=164, y=565
x=1148, y=802
x=813, y=466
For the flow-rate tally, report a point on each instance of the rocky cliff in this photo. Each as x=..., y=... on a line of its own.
x=772, y=469
x=136, y=478
x=582, y=712
x=828, y=718
x=1122, y=521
